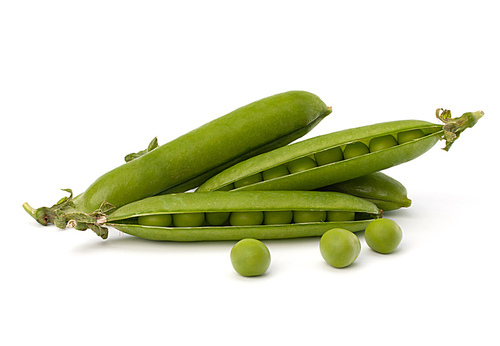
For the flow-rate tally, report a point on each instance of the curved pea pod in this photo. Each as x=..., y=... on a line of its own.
x=385, y=192
x=126, y=218
x=191, y=159
x=361, y=151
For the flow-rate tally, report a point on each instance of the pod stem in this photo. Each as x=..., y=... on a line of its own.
x=453, y=127
x=152, y=146
x=64, y=214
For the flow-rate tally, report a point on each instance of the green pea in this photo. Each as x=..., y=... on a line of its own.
x=301, y=164
x=217, y=218
x=247, y=218
x=162, y=220
x=250, y=257
x=189, y=219
x=252, y=179
x=339, y=247
x=340, y=216
x=382, y=142
x=227, y=187
x=329, y=156
x=275, y=172
x=309, y=216
x=278, y=217
x=410, y=135
x=383, y=235
x=355, y=149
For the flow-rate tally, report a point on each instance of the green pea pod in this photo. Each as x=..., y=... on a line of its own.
x=385, y=192
x=127, y=217
x=342, y=155
x=191, y=159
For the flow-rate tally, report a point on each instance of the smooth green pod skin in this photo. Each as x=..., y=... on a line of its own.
x=386, y=192
x=191, y=159
x=250, y=257
x=244, y=201
x=339, y=247
x=333, y=172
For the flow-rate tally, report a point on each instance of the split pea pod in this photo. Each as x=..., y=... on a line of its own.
x=385, y=192
x=244, y=214
x=191, y=159
x=340, y=156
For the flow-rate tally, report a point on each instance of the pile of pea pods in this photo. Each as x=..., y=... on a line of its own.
x=239, y=178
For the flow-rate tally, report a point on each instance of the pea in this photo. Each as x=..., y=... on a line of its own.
x=383, y=235
x=382, y=142
x=301, y=164
x=329, y=156
x=227, y=187
x=410, y=135
x=248, y=218
x=278, y=217
x=355, y=149
x=250, y=257
x=162, y=220
x=309, y=216
x=339, y=247
x=252, y=179
x=340, y=216
x=217, y=218
x=275, y=172
x=189, y=219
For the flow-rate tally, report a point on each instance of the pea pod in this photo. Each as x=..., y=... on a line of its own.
x=127, y=217
x=342, y=155
x=191, y=159
x=387, y=193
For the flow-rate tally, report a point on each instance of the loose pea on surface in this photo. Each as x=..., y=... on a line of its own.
x=155, y=220
x=339, y=247
x=355, y=149
x=250, y=257
x=383, y=235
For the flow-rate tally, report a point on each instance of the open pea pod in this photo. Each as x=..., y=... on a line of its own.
x=191, y=159
x=245, y=214
x=340, y=156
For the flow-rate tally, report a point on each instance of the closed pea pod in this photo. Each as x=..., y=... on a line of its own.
x=191, y=159
x=359, y=160
x=386, y=192
x=255, y=204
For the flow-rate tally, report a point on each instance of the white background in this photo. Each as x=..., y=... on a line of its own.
x=82, y=83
